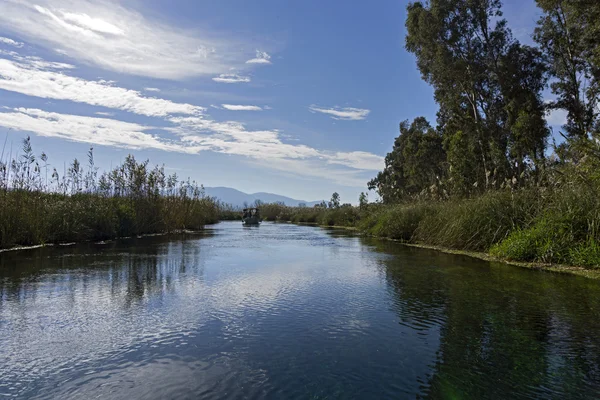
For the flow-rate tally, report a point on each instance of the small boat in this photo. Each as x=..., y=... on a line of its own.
x=251, y=216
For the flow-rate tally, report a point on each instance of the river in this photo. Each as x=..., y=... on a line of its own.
x=289, y=312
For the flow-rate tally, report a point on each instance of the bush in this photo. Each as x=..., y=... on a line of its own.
x=586, y=254
x=129, y=200
x=477, y=224
x=564, y=231
x=396, y=222
x=532, y=244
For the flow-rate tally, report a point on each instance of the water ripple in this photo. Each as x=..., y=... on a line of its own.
x=293, y=312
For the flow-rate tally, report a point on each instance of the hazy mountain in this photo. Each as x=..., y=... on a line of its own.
x=237, y=198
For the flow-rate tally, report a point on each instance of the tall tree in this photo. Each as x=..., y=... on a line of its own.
x=569, y=34
x=524, y=76
x=335, y=200
x=465, y=50
x=363, y=200
x=415, y=164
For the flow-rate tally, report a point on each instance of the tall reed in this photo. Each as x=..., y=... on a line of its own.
x=39, y=205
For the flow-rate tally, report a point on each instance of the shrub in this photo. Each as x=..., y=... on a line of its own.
x=586, y=254
x=478, y=223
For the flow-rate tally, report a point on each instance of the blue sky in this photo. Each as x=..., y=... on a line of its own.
x=295, y=98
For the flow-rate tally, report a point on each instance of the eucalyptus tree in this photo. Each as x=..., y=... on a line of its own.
x=416, y=163
x=568, y=32
x=486, y=94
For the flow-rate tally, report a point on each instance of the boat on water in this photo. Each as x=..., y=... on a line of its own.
x=251, y=216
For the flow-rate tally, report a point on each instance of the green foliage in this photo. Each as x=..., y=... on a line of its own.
x=488, y=88
x=416, y=164
x=565, y=230
x=132, y=199
x=335, y=200
x=568, y=32
x=478, y=223
x=345, y=215
x=483, y=168
x=363, y=200
x=586, y=254
x=397, y=222
x=533, y=244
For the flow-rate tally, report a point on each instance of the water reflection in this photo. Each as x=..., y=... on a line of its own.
x=504, y=332
x=289, y=312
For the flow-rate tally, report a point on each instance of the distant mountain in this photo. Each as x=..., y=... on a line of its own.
x=237, y=198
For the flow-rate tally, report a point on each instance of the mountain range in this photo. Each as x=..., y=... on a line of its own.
x=240, y=199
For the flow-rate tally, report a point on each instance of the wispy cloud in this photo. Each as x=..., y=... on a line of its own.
x=85, y=22
x=35, y=62
x=262, y=57
x=112, y=36
x=11, y=42
x=342, y=113
x=556, y=118
x=102, y=131
x=231, y=78
x=152, y=89
x=233, y=107
x=232, y=137
x=194, y=130
x=33, y=81
x=358, y=160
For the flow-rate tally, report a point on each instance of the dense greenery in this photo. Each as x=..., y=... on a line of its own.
x=491, y=132
x=485, y=178
x=545, y=225
x=38, y=205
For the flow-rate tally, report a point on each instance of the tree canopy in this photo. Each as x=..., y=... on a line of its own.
x=491, y=127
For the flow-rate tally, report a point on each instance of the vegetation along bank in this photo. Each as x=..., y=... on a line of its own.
x=40, y=205
x=491, y=176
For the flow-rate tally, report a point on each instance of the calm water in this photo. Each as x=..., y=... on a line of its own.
x=289, y=312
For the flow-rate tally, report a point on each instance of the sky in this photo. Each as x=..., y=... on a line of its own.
x=296, y=98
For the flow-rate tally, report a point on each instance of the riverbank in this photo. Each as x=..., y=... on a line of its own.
x=547, y=267
x=555, y=230
x=106, y=241
x=130, y=200
x=29, y=218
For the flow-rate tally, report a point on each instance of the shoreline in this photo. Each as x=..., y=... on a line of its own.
x=99, y=242
x=546, y=267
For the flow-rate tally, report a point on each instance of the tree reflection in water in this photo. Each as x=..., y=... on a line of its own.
x=505, y=332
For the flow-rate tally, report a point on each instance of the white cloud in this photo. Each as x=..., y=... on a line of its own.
x=110, y=35
x=316, y=169
x=194, y=130
x=231, y=78
x=345, y=114
x=11, y=42
x=197, y=134
x=233, y=107
x=86, y=22
x=35, y=62
x=152, y=89
x=557, y=118
x=358, y=160
x=262, y=57
x=102, y=131
x=31, y=81
x=232, y=137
